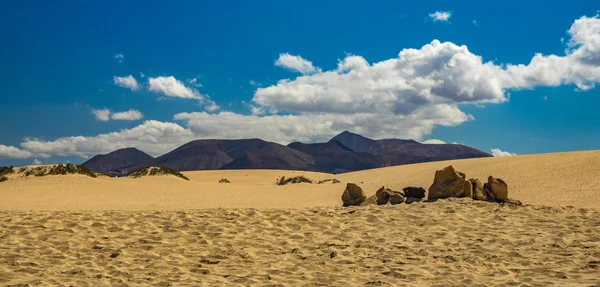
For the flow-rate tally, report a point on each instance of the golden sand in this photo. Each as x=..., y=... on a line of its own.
x=81, y=231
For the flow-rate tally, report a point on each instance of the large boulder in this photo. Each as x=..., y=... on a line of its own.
x=478, y=192
x=496, y=188
x=353, y=195
x=415, y=192
x=385, y=195
x=448, y=183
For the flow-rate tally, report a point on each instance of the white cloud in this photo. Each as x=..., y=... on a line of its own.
x=130, y=115
x=106, y=115
x=142, y=75
x=102, y=115
x=320, y=127
x=119, y=58
x=37, y=161
x=296, y=63
x=127, y=82
x=433, y=141
x=153, y=137
x=13, y=152
x=475, y=23
x=171, y=87
x=442, y=16
x=545, y=97
x=498, y=152
x=194, y=82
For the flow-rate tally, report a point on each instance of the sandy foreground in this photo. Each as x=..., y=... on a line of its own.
x=164, y=231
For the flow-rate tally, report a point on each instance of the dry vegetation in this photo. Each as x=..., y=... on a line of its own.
x=296, y=179
x=153, y=171
x=59, y=169
x=332, y=180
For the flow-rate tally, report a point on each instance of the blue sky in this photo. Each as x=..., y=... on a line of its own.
x=158, y=74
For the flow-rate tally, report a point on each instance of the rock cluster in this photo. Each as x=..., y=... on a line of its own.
x=451, y=183
x=354, y=195
x=448, y=182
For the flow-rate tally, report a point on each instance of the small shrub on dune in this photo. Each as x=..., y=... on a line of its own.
x=3, y=178
x=153, y=170
x=332, y=180
x=224, y=180
x=297, y=179
x=4, y=170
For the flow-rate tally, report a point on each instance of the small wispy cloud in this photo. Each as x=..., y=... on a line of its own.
x=255, y=83
x=442, y=16
x=119, y=58
x=545, y=97
x=102, y=115
x=194, y=82
x=433, y=141
x=127, y=82
x=475, y=23
x=105, y=115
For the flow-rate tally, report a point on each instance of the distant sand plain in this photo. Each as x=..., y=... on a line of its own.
x=164, y=231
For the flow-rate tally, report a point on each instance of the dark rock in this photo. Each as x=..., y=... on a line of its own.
x=412, y=191
x=385, y=195
x=410, y=200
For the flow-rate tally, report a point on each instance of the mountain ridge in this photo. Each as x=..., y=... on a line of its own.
x=344, y=152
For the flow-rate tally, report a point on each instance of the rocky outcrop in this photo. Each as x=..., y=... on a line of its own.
x=415, y=192
x=385, y=195
x=496, y=189
x=449, y=183
x=353, y=195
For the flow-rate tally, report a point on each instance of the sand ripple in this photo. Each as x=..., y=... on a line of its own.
x=449, y=242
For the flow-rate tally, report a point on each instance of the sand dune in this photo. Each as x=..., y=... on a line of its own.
x=558, y=179
x=165, y=231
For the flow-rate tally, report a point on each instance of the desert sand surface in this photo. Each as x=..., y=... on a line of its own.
x=72, y=230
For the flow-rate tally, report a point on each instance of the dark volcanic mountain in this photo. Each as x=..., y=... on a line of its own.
x=235, y=154
x=119, y=162
x=397, y=151
x=337, y=158
x=343, y=153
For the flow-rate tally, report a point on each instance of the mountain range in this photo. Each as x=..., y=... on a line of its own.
x=343, y=153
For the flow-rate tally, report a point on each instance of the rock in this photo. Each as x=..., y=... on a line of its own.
x=512, y=201
x=385, y=195
x=468, y=190
x=410, y=200
x=353, y=195
x=477, y=187
x=497, y=187
x=448, y=183
x=412, y=191
x=371, y=200
x=397, y=197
